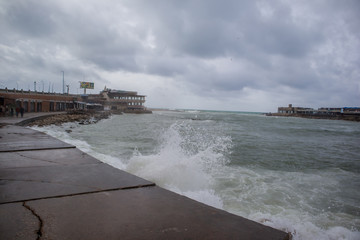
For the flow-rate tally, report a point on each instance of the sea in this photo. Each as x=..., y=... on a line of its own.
x=298, y=175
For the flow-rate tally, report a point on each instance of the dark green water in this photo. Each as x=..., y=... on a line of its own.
x=298, y=175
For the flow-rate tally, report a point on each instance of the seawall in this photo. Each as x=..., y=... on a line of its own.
x=346, y=117
x=51, y=190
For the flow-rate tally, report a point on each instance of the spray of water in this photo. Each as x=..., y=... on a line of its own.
x=185, y=162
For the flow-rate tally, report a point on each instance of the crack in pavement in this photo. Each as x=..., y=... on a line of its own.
x=34, y=149
x=39, y=231
x=50, y=182
x=37, y=158
x=83, y=193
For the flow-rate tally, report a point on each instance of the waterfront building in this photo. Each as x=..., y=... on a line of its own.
x=116, y=101
x=329, y=110
x=290, y=110
x=33, y=101
x=295, y=110
x=120, y=101
x=344, y=113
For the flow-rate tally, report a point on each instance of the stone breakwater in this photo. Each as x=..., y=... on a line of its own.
x=83, y=117
x=346, y=117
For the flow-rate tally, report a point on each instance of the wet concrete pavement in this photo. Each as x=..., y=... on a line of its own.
x=51, y=190
x=27, y=116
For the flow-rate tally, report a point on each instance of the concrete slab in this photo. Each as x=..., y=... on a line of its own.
x=17, y=222
x=21, y=184
x=15, y=138
x=143, y=213
x=52, y=157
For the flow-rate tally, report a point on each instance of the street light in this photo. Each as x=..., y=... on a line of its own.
x=63, y=83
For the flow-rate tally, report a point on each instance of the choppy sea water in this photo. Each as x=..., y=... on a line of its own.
x=298, y=175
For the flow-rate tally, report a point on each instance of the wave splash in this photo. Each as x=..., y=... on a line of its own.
x=185, y=162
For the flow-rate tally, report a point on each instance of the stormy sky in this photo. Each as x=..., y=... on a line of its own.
x=240, y=55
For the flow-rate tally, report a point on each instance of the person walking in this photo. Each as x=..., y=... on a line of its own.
x=22, y=110
x=17, y=111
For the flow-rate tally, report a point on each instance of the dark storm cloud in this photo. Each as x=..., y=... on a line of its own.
x=29, y=18
x=210, y=48
x=91, y=38
x=233, y=30
x=224, y=28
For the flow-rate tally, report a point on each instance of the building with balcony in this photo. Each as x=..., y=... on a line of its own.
x=117, y=101
x=343, y=113
x=295, y=110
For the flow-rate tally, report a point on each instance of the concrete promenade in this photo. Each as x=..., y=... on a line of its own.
x=52, y=190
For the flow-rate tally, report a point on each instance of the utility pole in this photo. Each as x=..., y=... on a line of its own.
x=63, y=83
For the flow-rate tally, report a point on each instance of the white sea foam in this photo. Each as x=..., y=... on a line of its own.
x=302, y=227
x=288, y=201
x=182, y=167
x=192, y=111
x=60, y=132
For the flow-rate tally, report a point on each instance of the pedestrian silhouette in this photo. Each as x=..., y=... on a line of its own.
x=22, y=111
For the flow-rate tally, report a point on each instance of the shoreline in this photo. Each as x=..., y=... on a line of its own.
x=53, y=190
x=83, y=117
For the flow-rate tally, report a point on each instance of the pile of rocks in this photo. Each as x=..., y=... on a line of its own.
x=82, y=117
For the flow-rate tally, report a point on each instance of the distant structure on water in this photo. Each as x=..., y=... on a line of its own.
x=117, y=101
x=343, y=113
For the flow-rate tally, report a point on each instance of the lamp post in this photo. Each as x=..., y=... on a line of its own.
x=63, y=83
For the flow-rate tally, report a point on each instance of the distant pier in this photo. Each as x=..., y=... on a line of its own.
x=344, y=113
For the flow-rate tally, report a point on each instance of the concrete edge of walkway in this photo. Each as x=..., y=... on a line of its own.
x=30, y=120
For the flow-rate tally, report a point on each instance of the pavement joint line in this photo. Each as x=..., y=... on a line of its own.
x=36, y=149
x=41, y=181
x=82, y=193
x=39, y=231
x=41, y=160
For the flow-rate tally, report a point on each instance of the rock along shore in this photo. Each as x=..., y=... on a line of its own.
x=83, y=117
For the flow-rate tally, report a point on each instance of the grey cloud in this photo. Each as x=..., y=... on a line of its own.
x=211, y=48
x=32, y=18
